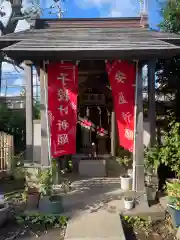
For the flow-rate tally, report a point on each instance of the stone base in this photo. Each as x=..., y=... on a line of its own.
x=92, y=168
x=31, y=172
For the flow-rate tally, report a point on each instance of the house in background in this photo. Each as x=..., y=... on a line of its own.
x=13, y=102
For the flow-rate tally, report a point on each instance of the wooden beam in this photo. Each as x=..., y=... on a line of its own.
x=130, y=54
x=29, y=112
x=44, y=116
x=151, y=101
x=28, y=62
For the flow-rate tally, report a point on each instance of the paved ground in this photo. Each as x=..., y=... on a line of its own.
x=92, y=193
x=94, y=208
x=87, y=207
x=98, y=225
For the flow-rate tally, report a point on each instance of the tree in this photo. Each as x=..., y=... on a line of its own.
x=171, y=17
x=168, y=71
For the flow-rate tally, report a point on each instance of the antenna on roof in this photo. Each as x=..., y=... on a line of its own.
x=143, y=7
x=143, y=13
x=145, y=10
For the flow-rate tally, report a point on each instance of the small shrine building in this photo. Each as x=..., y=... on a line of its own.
x=88, y=44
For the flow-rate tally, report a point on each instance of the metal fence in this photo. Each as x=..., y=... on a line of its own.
x=6, y=150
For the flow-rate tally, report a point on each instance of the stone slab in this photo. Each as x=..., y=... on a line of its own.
x=98, y=225
x=92, y=168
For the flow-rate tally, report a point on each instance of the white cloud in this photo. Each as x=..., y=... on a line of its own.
x=19, y=82
x=124, y=8
x=10, y=68
x=92, y=3
x=14, y=94
x=46, y=3
x=112, y=8
x=115, y=13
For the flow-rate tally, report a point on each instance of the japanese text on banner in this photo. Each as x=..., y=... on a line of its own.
x=62, y=107
x=122, y=79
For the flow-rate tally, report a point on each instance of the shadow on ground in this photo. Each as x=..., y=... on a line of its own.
x=91, y=195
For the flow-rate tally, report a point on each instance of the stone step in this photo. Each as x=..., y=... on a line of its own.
x=100, y=225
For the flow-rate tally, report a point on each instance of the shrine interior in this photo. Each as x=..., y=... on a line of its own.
x=94, y=108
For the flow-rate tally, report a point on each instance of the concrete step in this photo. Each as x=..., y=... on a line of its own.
x=142, y=209
x=100, y=225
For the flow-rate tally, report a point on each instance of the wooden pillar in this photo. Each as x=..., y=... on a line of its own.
x=113, y=134
x=151, y=101
x=29, y=112
x=44, y=116
x=138, y=161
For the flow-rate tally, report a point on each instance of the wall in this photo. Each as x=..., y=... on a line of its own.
x=37, y=139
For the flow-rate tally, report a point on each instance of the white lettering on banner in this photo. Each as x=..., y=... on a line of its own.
x=120, y=77
x=129, y=134
x=63, y=125
x=63, y=110
x=63, y=95
x=63, y=139
x=122, y=98
x=64, y=78
x=126, y=117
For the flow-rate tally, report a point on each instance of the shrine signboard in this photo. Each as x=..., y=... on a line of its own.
x=122, y=77
x=62, y=107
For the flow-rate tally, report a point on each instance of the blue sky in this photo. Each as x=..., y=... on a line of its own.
x=80, y=9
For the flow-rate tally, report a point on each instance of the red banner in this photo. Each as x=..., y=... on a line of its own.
x=122, y=77
x=62, y=107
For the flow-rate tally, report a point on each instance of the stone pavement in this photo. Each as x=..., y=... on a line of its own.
x=94, y=208
x=92, y=193
x=87, y=208
x=98, y=225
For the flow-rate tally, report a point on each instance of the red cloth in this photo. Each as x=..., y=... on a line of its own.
x=62, y=107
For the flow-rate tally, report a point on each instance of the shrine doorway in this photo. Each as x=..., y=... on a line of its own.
x=94, y=109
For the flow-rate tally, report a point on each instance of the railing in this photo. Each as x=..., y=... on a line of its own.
x=6, y=150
